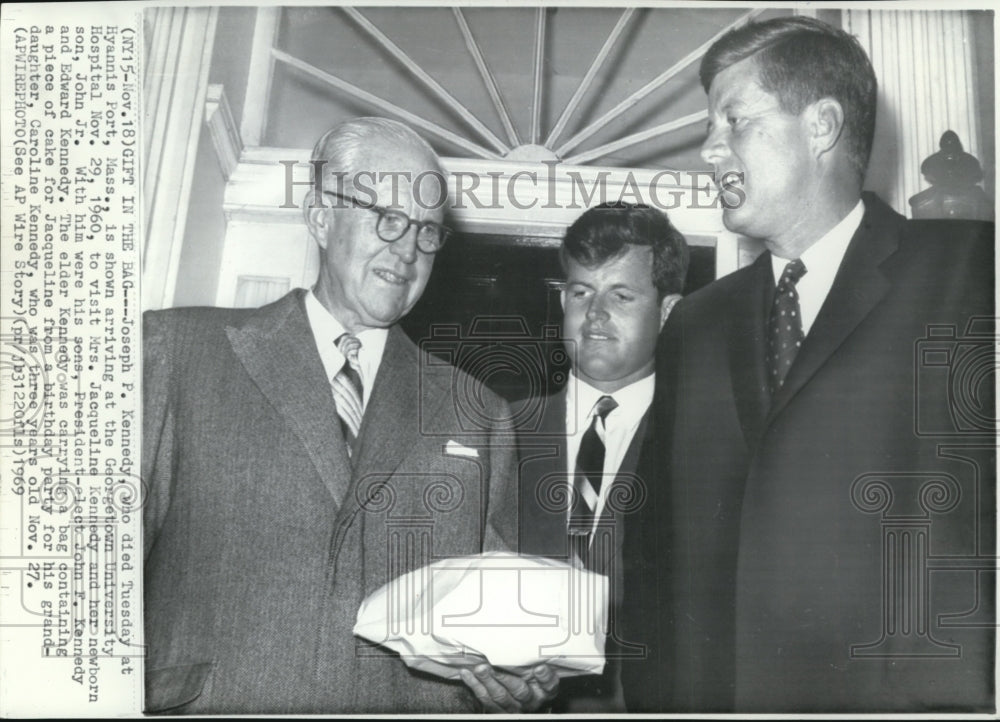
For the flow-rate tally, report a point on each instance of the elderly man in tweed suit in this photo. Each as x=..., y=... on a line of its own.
x=282, y=445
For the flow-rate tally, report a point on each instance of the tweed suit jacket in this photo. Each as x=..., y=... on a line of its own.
x=829, y=549
x=262, y=538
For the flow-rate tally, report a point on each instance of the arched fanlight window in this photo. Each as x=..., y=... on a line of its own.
x=574, y=85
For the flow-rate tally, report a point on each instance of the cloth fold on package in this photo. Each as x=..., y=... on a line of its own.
x=511, y=611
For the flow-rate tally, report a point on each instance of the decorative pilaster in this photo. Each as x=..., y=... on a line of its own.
x=925, y=64
x=175, y=88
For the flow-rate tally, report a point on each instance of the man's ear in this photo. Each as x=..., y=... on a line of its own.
x=318, y=220
x=826, y=124
x=667, y=305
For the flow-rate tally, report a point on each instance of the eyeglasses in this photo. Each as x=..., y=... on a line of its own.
x=393, y=225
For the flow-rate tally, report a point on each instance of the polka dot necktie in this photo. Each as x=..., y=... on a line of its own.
x=785, y=331
x=348, y=389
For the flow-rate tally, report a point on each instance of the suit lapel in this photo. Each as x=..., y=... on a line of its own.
x=543, y=462
x=625, y=499
x=277, y=349
x=630, y=462
x=629, y=476
x=390, y=427
x=747, y=347
x=558, y=467
x=857, y=289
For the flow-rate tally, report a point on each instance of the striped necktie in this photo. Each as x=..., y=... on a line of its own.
x=348, y=389
x=589, y=470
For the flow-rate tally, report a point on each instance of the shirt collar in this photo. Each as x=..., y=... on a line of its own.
x=822, y=259
x=633, y=401
x=327, y=329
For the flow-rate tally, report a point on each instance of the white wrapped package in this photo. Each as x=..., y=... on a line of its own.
x=508, y=610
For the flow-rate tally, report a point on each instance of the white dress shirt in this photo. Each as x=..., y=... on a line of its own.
x=822, y=260
x=326, y=330
x=620, y=425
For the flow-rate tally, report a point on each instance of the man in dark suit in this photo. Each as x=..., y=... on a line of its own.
x=625, y=267
x=821, y=534
x=296, y=454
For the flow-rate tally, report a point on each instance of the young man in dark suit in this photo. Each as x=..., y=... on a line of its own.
x=821, y=534
x=284, y=449
x=625, y=268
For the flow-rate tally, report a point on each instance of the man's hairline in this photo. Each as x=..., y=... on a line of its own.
x=660, y=295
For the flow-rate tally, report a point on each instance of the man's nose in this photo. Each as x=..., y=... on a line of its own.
x=596, y=309
x=715, y=148
x=406, y=247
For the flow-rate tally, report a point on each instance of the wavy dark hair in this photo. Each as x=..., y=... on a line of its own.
x=605, y=232
x=801, y=60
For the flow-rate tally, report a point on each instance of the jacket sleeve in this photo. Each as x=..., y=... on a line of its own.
x=157, y=423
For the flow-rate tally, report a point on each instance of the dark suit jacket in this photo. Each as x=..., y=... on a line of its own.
x=542, y=475
x=261, y=540
x=822, y=548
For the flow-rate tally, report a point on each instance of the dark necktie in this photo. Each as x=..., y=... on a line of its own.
x=348, y=389
x=785, y=331
x=589, y=470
